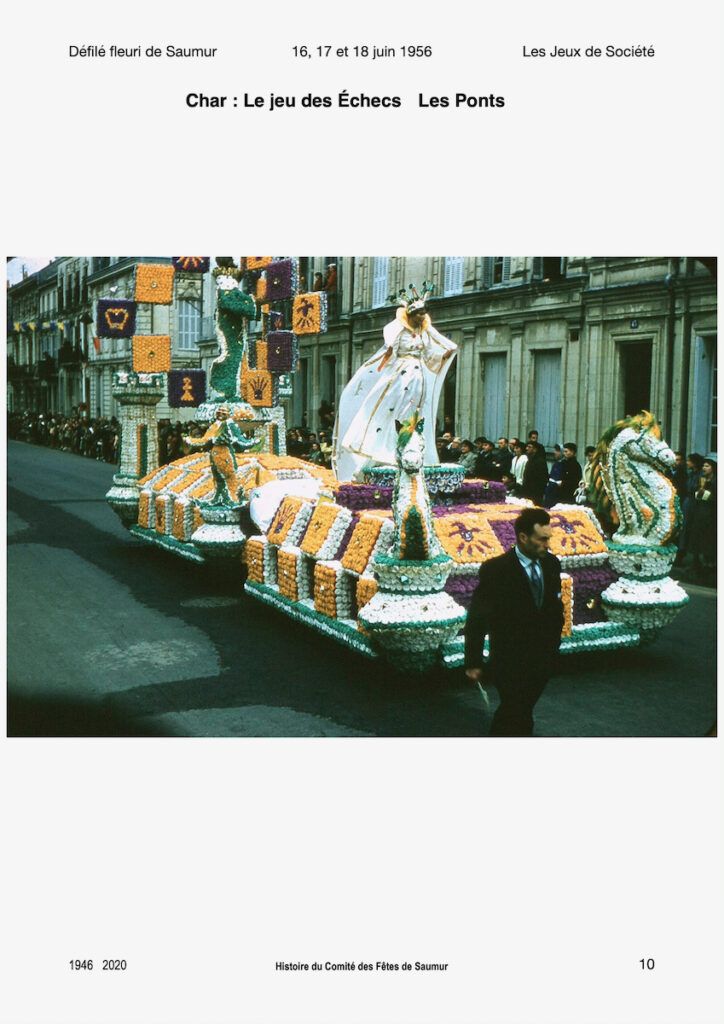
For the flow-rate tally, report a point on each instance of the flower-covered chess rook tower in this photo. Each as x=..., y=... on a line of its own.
x=138, y=394
x=632, y=489
x=411, y=616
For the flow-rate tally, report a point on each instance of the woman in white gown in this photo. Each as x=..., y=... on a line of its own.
x=406, y=374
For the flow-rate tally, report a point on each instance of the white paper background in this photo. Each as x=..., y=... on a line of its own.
x=541, y=871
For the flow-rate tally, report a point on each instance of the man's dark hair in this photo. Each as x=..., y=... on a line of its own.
x=479, y=440
x=697, y=459
x=590, y=449
x=573, y=447
x=528, y=519
x=531, y=432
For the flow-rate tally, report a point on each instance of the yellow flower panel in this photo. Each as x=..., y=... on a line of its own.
x=361, y=543
x=171, y=474
x=143, y=509
x=567, y=599
x=287, y=574
x=260, y=291
x=366, y=590
x=322, y=521
x=467, y=537
x=178, y=528
x=573, y=533
x=163, y=508
x=284, y=518
x=202, y=489
x=257, y=262
x=307, y=313
x=185, y=481
x=325, y=589
x=154, y=283
x=257, y=388
x=254, y=558
x=198, y=519
x=151, y=353
x=261, y=354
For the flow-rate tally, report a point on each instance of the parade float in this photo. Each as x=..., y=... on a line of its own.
x=382, y=555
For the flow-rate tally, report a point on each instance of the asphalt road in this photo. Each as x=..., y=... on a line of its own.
x=109, y=637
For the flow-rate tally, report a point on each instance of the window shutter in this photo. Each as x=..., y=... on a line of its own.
x=506, y=268
x=380, y=269
x=454, y=275
x=487, y=271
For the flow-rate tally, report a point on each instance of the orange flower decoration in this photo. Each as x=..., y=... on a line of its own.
x=573, y=533
x=361, y=543
x=257, y=387
x=366, y=590
x=260, y=293
x=325, y=587
x=467, y=537
x=151, y=353
x=143, y=509
x=257, y=262
x=323, y=519
x=154, y=283
x=287, y=574
x=308, y=312
x=254, y=558
x=285, y=516
x=567, y=599
x=261, y=351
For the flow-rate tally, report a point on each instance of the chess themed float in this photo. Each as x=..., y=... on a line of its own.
x=383, y=553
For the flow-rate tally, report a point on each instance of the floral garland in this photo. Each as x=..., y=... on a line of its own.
x=151, y=353
x=154, y=283
x=325, y=530
x=370, y=535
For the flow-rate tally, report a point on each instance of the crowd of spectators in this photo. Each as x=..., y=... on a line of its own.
x=97, y=438
x=521, y=465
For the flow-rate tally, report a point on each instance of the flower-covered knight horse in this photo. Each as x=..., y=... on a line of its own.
x=415, y=536
x=629, y=473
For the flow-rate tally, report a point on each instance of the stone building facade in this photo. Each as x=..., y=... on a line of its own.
x=564, y=345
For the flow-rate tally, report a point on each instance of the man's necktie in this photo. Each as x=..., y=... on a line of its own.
x=537, y=581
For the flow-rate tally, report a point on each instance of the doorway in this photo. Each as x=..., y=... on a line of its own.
x=636, y=376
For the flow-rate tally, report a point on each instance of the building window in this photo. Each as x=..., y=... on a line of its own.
x=453, y=275
x=496, y=270
x=380, y=271
x=189, y=324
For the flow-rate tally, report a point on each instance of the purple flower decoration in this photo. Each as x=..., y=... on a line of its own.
x=186, y=388
x=347, y=534
x=588, y=584
x=482, y=492
x=282, y=279
x=504, y=531
x=281, y=353
x=361, y=496
x=115, y=318
x=461, y=588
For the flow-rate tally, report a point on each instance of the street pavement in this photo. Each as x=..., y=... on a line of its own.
x=110, y=637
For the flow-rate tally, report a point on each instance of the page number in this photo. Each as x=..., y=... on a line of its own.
x=647, y=965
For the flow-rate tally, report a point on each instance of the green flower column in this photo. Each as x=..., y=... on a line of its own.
x=138, y=395
x=234, y=309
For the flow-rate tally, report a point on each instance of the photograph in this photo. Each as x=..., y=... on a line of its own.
x=353, y=496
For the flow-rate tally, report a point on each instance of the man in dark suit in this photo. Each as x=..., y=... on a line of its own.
x=521, y=586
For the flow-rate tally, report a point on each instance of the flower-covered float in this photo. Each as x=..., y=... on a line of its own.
x=385, y=563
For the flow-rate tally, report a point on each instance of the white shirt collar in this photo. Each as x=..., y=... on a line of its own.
x=524, y=560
